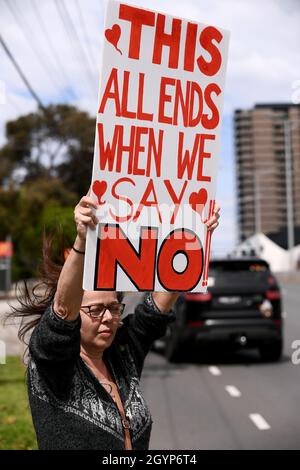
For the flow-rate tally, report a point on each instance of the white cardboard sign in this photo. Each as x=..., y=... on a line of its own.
x=156, y=153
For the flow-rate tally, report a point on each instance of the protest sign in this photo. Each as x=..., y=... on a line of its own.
x=156, y=151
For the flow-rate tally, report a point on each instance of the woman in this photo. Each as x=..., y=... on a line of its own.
x=85, y=363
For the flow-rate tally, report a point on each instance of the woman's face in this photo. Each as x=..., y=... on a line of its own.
x=98, y=334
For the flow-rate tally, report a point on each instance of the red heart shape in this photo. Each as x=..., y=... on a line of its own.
x=113, y=35
x=99, y=188
x=198, y=200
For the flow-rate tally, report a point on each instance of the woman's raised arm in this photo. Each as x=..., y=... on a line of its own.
x=68, y=296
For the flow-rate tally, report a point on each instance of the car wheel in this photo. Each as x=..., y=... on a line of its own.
x=271, y=352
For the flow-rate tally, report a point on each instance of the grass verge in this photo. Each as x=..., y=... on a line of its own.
x=16, y=429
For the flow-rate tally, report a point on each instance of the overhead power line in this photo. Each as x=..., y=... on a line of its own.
x=77, y=39
x=20, y=72
x=84, y=29
x=63, y=17
x=31, y=90
x=59, y=64
x=28, y=36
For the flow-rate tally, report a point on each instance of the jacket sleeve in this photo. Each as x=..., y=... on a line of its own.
x=143, y=327
x=55, y=347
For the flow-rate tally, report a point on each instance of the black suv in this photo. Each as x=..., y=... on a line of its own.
x=242, y=308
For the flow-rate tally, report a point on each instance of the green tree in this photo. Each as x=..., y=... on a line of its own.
x=55, y=142
x=44, y=205
x=46, y=166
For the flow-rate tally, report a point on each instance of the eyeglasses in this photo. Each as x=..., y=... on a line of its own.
x=97, y=311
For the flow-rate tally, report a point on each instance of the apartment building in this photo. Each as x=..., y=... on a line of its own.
x=260, y=152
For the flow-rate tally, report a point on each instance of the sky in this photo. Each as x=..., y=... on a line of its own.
x=57, y=43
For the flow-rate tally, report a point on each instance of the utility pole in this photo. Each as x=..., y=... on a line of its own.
x=289, y=189
x=257, y=200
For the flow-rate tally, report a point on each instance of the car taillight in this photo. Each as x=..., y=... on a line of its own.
x=206, y=297
x=195, y=323
x=273, y=294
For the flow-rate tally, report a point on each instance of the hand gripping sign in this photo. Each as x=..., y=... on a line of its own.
x=156, y=151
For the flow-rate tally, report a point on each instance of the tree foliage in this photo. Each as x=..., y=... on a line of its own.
x=46, y=166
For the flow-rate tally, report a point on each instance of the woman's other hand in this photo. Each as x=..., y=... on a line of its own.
x=213, y=222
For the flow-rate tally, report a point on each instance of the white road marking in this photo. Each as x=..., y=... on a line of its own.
x=214, y=370
x=259, y=422
x=233, y=391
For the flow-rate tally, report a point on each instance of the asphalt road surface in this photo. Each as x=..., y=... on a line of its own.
x=228, y=401
x=221, y=402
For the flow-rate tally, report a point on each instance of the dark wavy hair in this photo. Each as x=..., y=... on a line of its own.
x=33, y=301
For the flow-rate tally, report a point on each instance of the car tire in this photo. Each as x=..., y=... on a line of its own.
x=271, y=352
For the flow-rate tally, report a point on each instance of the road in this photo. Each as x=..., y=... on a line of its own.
x=234, y=402
x=224, y=402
